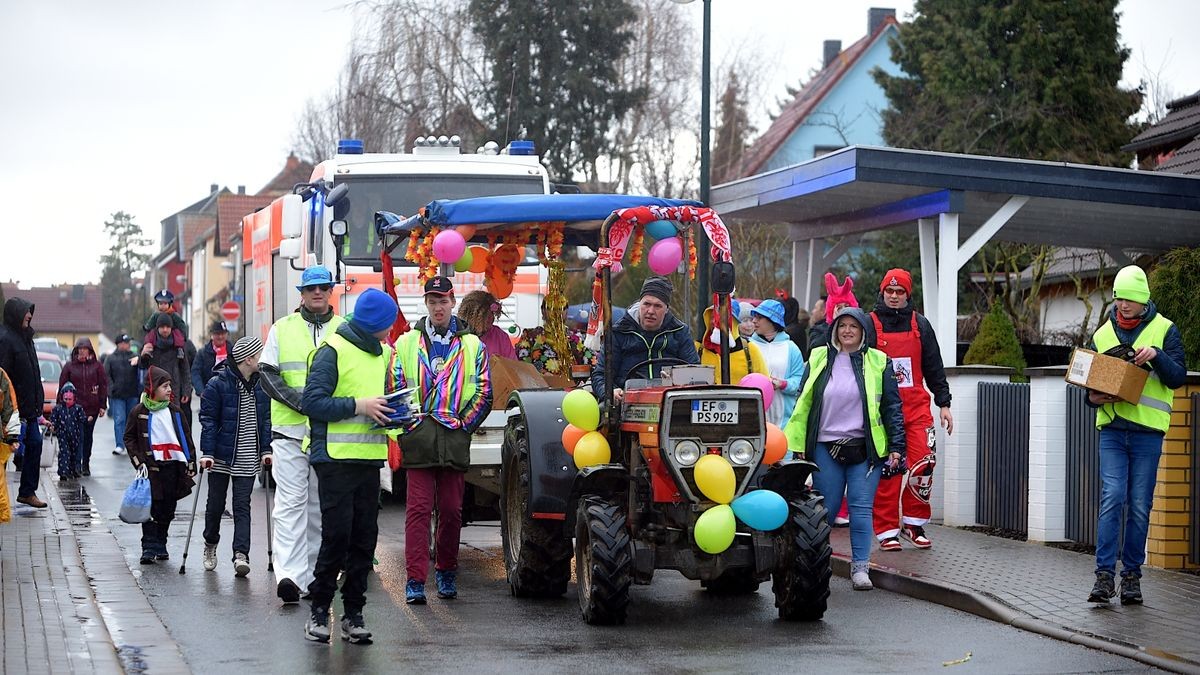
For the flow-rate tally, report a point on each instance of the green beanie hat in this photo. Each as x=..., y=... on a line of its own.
x=1131, y=284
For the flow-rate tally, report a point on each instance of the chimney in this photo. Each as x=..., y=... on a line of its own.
x=241, y=189
x=832, y=49
x=213, y=188
x=876, y=16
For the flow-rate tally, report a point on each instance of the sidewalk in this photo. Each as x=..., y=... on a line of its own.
x=1042, y=589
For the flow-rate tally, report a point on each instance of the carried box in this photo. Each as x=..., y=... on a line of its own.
x=1107, y=374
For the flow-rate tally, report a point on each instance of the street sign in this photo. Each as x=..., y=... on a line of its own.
x=231, y=311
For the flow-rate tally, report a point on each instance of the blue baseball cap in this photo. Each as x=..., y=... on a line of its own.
x=315, y=276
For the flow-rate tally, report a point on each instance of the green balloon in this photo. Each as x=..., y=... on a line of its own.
x=580, y=408
x=464, y=263
x=715, y=529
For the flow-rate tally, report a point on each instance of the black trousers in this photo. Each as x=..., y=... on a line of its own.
x=89, y=431
x=349, y=528
x=169, y=478
x=218, y=487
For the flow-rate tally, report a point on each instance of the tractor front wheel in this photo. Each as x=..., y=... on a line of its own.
x=801, y=578
x=537, y=553
x=603, y=561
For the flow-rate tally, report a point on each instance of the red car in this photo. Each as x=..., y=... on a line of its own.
x=51, y=367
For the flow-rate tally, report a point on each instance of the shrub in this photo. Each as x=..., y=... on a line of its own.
x=996, y=344
x=1173, y=290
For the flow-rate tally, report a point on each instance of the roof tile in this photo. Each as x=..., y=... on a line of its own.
x=57, y=310
x=1181, y=123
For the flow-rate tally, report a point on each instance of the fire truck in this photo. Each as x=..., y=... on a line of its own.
x=330, y=221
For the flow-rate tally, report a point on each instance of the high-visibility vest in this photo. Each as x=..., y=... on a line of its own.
x=410, y=351
x=1153, y=409
x=360, y=375
x=874, y=369
x=294, y=336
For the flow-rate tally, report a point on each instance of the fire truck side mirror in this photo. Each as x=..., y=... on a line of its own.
x=337, y=194
x=289, y=249
x=722, y=278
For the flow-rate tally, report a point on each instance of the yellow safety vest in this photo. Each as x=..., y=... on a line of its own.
x=360, y=375
x=1153, y=410
x=294, y=337
x=409, y=349
x=874, y=366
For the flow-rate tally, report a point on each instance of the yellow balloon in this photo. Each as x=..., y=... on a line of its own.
x=592, y=449
x=714, y=477
x=715, y=528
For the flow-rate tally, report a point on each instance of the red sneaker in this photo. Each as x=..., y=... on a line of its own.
x=916, y=534
x=890, y=544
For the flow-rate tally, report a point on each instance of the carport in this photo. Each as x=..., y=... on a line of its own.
x=959, y=203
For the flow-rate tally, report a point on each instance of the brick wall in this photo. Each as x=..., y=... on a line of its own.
x=1169, y=539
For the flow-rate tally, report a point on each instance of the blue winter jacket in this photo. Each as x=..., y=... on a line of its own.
x=632, y=345
x=219, y=414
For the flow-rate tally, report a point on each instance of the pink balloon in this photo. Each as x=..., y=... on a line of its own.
x=448, y=246
x=665, y=255
x=763, y=384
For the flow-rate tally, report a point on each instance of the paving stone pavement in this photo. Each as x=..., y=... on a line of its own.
x=1049, y=586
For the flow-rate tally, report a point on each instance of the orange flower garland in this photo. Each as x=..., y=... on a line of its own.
x=639, y=239
x=554, y=241
x=691, y=252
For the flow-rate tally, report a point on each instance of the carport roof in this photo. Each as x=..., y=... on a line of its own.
x=858, y=189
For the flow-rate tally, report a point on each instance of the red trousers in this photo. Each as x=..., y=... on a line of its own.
x=908, y=494
x=425, y=488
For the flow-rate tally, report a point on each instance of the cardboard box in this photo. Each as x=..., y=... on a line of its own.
x=1107, y=374
x=508, y=376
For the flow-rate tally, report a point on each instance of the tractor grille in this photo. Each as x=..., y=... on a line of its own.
x=749, y=423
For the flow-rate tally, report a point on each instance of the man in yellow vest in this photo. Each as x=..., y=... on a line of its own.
x=344, y=400
x=284, y=370
x=1131, y=434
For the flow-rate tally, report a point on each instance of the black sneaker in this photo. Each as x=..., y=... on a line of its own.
x=317, y=626
x=87, y=471
x=147, y=558
x=355, y=630
x=1104, y=589
x=1131, y=590
x=288, y=591
x=162, y=556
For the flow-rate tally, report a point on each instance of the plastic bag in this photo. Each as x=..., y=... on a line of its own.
x=135, y=506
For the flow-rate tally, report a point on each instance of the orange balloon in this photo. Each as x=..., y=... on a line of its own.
x=500, y=286
x=467, y=231
x=479, y=259
x=776, y=446
x=570, y=436
x=508, y=257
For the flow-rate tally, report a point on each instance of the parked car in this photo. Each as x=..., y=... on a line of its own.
x=51, y=366
x=51, y=345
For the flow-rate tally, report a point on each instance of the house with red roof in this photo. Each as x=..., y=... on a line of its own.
x=66, y=312
x=1173, y=143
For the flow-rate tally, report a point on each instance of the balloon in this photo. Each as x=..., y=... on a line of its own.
x=592, y=449
x=570, y=436
x=715, y=528
x=661, y=229
x=500, y=285
x=467, y=231
x=762, y=510
x=714, y=477
x=763, y=383
x=580, y=408
x=665, y=255
x=464, y=263
x=508, y=257
x=776, y=446
x=479, y=259
x=448, y=246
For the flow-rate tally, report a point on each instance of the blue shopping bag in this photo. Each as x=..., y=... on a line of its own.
x=135, y=506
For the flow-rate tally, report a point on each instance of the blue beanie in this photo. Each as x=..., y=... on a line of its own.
x=374, y=311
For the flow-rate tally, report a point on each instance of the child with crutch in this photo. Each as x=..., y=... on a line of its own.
x=159, y=436
x=235, y=439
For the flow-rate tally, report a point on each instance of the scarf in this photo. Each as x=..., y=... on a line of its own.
x=153, y=405
x=165, y=440
x=1128, y=324
x=316, y=318
x=439, y=338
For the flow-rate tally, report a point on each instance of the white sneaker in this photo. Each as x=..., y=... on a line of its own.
x=860, y=576
x=210, y=557
x=241, y=565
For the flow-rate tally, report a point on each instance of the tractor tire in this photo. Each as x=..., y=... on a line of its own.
x=537, y=553
x=738, y=581
x=801, y=577
x=603, y=561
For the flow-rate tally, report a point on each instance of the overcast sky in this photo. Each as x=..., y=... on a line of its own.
x=141, y=105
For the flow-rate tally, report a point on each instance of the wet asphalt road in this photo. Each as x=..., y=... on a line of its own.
x=224, y=624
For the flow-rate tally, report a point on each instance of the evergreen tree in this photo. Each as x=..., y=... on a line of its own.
x=731, y=137
x=553, y=76
x=1015, y=78
x=121, y=312
x=996, y=344
x=1173, y=290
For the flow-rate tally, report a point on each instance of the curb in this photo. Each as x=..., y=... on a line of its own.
x=984, y=606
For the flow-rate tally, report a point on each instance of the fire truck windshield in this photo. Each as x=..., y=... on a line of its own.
x=404, y=194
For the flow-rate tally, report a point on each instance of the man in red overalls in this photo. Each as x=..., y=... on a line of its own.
x=907, y=337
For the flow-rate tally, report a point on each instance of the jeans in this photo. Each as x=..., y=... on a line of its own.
x=118, y=409
x=1128, y=474
x=218, y=487
x=349, y=529
x=31, y=464
x=425, y=486
x=859, y=482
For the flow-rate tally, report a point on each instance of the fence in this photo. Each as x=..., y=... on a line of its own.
x=1083, y=468
x=1002, y=471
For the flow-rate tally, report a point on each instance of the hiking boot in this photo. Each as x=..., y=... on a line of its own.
x=354, y=629
x=241, y=564
x=210, y=557
x=916, y=534
x=288, y=591
x=317, y=626
x=447, y=588
x=414, y=592
x=860, y=576
x=890, y=544
x=1104, y=589
x=1131, y=590
x=32, y=500
x=147, y=558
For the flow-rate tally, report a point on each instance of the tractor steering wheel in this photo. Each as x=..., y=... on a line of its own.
x=667, y=360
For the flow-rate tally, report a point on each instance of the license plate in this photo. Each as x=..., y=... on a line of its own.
x=714, y=412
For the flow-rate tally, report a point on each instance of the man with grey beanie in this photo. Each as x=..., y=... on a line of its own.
x=648, y=331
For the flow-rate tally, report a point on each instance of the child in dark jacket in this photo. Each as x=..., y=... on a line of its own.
x=159, y=437
x=69, y=421
x=166, y=308
x=235, y=438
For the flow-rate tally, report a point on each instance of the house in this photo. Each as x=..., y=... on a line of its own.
x=838, y=107
x=1173, y=143
x=66, y=312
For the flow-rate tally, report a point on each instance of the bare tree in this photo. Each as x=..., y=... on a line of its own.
x=1157, y=92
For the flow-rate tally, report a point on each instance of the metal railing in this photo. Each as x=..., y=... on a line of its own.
x=1083, y=468
x=1002, y=472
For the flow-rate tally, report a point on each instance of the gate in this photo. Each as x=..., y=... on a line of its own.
x=1083, y=468
x=1002, y=470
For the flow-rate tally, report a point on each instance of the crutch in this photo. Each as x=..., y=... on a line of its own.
x=270, y=532
x=191, y=523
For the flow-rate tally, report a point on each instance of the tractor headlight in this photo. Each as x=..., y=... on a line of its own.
x=741, y=451
x=687, y=452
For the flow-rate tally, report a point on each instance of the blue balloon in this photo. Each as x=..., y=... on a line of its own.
x=661, y=229
x=763, y=510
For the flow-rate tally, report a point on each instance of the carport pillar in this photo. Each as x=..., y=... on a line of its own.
x=810, y=261
x=945, y=320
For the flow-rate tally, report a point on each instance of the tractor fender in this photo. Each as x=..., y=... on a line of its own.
x=552, y=471
x=788, y=478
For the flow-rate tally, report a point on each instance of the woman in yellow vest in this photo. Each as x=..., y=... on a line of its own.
x=849, y=421
x=1131, y=435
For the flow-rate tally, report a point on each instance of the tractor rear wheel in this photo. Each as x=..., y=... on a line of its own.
x=801, y=578
x=603, y=561
x=537, y=552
